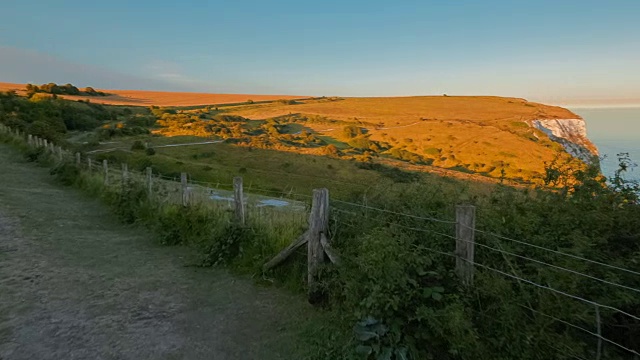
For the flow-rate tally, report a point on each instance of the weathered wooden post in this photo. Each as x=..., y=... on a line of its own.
x=30, y=140
x=318, y=228
x=45, y=145
x=60, y=153
x=78, y=159
x=149, y=181
x=185, y=189
x=465, y=242
x=89, y=164
x=238, y=196
x=105, y=167
x=317, y=240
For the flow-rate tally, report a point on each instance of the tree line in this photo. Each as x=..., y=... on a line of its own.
x=66, y=89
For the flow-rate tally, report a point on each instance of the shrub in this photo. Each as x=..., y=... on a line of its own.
x=227, y=246
x=137, y=145
x=331, y=150
x=66, y=173
x=360, y=142
x=150, y=151
x=351, y=131
x=34, y=154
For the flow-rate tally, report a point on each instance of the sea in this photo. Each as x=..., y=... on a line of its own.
x=614, y=131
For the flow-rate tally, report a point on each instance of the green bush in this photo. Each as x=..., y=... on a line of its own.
x=228, y=245
x=351, y=131
x=66, y=173
x=138, y=145
x=34, y=154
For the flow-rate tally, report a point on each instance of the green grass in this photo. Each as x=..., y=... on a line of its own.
x=92, y=264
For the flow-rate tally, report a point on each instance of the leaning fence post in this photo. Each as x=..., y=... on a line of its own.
x=238, y=196
x=465, y=242
x=318, y=228
x=149, y=180
x=185, y=189
x=105, y=167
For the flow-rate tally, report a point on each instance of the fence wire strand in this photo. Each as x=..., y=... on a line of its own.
x=395, y=212
x=596, y=335
x=553, y=290
x=553, y=266
x=554, y=251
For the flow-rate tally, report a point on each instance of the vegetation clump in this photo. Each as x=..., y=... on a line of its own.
x=67, y=89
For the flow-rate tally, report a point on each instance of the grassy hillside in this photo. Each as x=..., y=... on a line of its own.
x=394, y=229
x=475, y=137
x=489, y=136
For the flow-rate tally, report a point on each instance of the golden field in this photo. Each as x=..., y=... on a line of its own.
x=159, y=98
x=464, y=136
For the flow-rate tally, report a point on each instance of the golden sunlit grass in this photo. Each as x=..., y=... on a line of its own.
x=160, y=98
x=483, y=134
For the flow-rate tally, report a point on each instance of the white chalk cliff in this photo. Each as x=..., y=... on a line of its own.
x=571, y=134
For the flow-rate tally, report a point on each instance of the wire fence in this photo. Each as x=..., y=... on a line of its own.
x=220, y=196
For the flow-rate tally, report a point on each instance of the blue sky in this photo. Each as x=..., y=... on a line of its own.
x=535, y=49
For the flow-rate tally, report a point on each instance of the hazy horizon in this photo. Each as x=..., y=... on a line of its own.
x=544, y=51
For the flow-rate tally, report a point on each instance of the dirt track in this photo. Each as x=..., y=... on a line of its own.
x=76, y=284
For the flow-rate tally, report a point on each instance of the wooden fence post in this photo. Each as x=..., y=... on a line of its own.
x=45, y=145
x=317, y=240
x=78, y=159
x=149, y=181
x=30, y=139
x=318, y=228
x=238, y=196
x=60, y=153
x=185, y=189
x=89, y=164
x=465, y=242
x=105, y=167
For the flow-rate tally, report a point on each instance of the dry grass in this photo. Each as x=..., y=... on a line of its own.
x=394, y=111
x=484, y=134
x=160, y=98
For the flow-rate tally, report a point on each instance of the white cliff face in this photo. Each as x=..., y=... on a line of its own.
x=570, y=133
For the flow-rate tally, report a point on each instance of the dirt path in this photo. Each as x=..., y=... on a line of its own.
x=76, y=284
